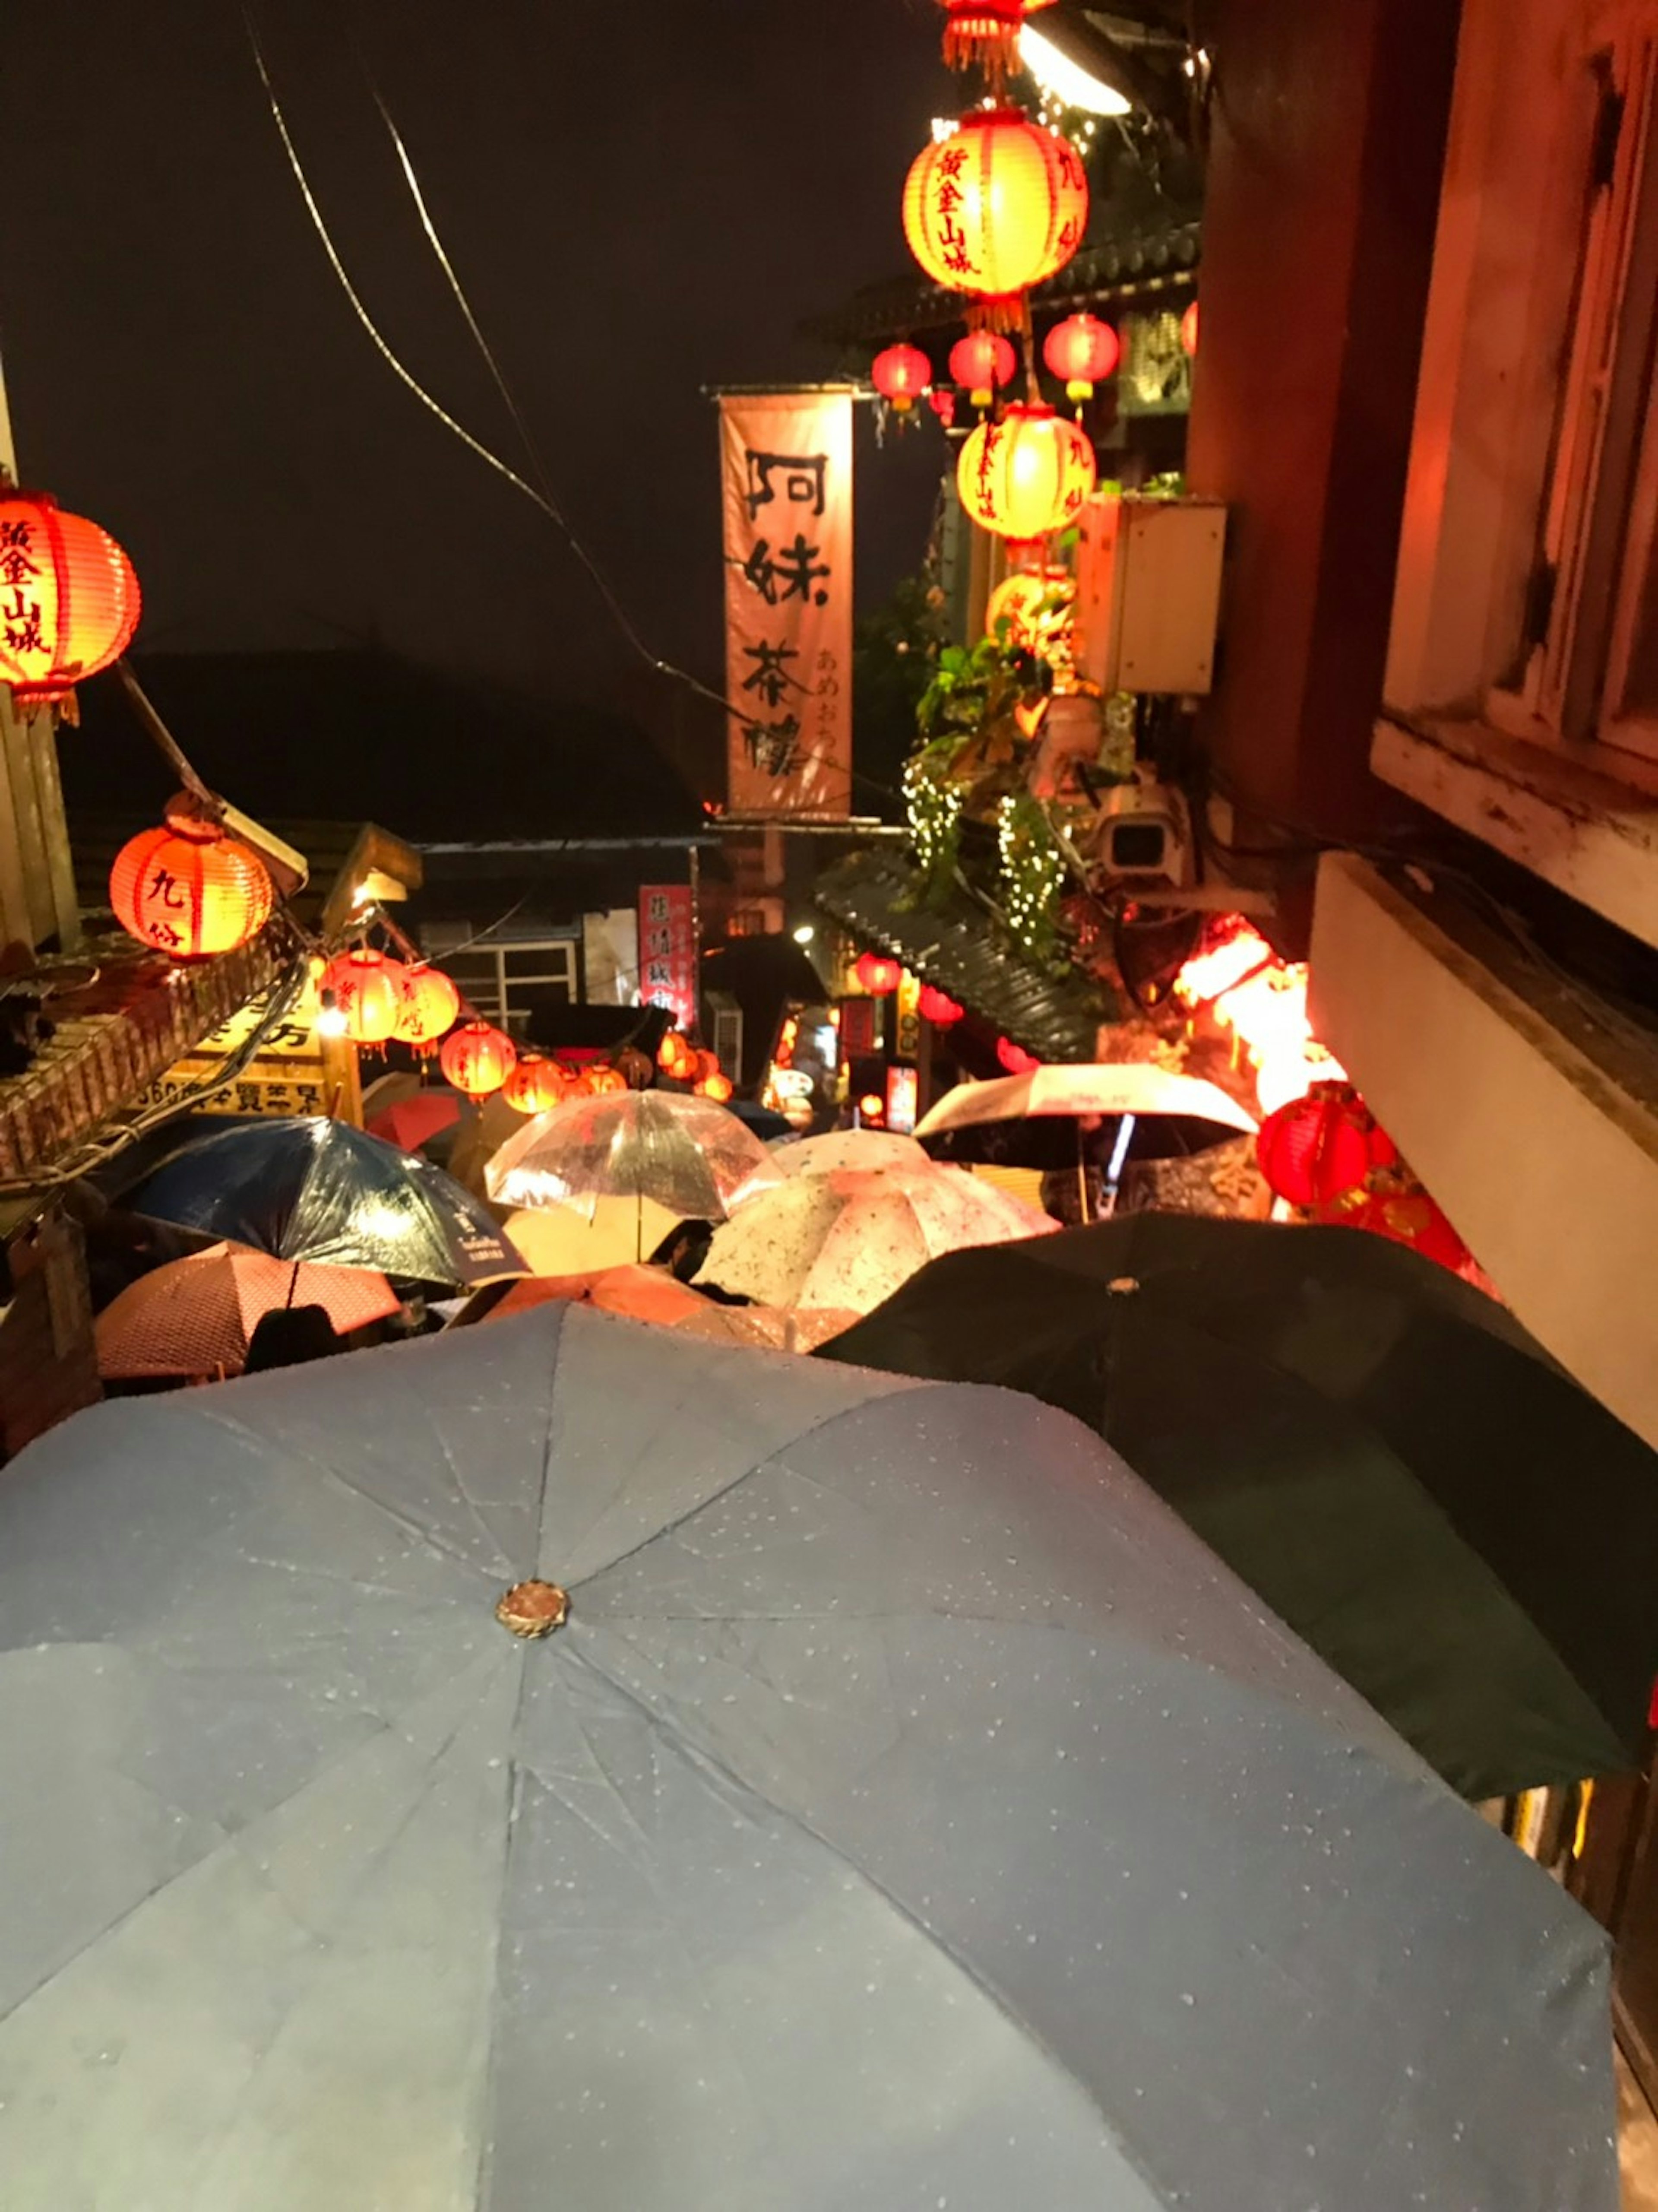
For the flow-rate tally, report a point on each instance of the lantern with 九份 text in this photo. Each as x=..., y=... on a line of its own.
x=901, y=374
x=478, y=1058
x=69, y=599
x=1027, y=475
x=189, y=890
x=997, y=206
x=430, y=1006
x=368, y=991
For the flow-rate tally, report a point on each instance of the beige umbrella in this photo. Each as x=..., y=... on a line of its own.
x=849, y=1238
x=557, y=1240
x=850, y=1148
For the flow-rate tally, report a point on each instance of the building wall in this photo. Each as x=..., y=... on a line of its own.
x=1328, y=131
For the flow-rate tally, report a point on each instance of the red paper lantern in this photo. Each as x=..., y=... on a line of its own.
x=676, y=1058
x=901, y=374
x=604, y=1081
x=938, y=1007
x=1188, y=330
x=1015, y=1059
x=717, y=1086
x=871, y=1107
x=69, y=599
x=1083, y=351
x=634, y=1067
x=535, y=1086
x=369, y=993
x=942, y=401
x=983, y=361
x=188, y=889
x=996, y=207
x=1316, y=1149
x=984, y=34
x=477, y=1059
x=1026, y=474
x=430, y=1006
x=878, y=975
x=1036, y=606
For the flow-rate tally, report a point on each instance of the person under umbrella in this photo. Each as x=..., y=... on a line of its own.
x=561, y=1761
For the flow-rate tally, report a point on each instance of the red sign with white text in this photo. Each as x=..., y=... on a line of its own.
x=667, y=950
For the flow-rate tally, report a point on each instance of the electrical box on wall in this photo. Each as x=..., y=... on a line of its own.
x=1148, y=592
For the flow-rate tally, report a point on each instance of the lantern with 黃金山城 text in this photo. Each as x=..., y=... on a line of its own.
x=1316, y=1149
x=189, y=890
x=1026, y=474
x=984, y=34
x=901, y=374
x=983, y=362
x=536, y=1085
x=430, y=1006
x=1083, y=351
x=478, y=1058
x=877, y=975
x=997, y=206
x=368, y=991
x=69, y=603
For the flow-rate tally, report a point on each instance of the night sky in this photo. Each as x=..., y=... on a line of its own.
x=640, y=201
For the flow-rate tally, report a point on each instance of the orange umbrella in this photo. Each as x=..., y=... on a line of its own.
x=652, y=1294
x=195, y=1316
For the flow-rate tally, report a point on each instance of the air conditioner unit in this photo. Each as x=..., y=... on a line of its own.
x=1148, y=592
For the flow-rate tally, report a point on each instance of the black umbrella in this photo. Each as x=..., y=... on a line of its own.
x=306, y=1189
x=1379, y=1449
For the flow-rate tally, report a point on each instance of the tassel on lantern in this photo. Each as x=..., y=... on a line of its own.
x=984, y=34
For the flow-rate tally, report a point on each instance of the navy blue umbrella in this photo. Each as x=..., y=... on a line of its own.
x=320, y=1191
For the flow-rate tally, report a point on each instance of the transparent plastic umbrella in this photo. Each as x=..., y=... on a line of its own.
x=686, y=1154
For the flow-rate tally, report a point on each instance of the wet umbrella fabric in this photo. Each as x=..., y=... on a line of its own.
x=910, y=1810
x=1379, y=1451
x=876, y=1149
x=1037, y=1120
x=850, y=1237
x=317, y=1190
x=689, y=1155
x=197, y=1315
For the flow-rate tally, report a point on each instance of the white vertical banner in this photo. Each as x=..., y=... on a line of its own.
x=786, y=461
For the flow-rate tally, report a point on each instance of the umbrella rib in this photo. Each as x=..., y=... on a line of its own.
x=713, y=1764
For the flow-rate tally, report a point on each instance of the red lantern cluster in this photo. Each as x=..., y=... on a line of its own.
x=877, y=975
x=368, y=991
x=476, y=1058
x=901, y=375
x=938, y=1007
x=1083, y=351
x=189, y=890
x=983, y=362
x=1316, y=1149
x=997, y=206
x=71, y=599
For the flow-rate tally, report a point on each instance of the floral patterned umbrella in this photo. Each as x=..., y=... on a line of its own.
x=850, y=1237
x=851, y=1148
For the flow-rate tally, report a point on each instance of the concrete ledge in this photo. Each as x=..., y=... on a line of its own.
x=1535, y=1130
x=1591, y=832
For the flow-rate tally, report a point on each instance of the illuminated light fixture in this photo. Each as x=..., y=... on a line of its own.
x=68, y=603
x=536, y=1085
x=877, y=975
x=1026, y=474
x=1316, y=1149
x=718, y=1086
x=1083, y=351
x=901, y=374
x=369, y=990
x=188, y=889
x=1067, y=81
x=1000, y=205
x=330, y=1022
x=804, y=934
x=983, y=361
x=871, y=1107
x=477, y=1059
x=431, y=1005
x=1189, y=332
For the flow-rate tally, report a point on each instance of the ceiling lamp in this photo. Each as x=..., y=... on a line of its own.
x=983, y=362
x=877, y=975
x=998, y=206
x=368, y=991
x=189, y=890
x=984, y=34
x=536, y=1085
x=1026, y=474
x=477, y=1059
x=430, y=1006
x=1083, y=351
x=901, y=374
x=69, y=599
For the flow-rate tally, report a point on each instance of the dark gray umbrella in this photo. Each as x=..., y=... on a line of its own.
x=910, y=1814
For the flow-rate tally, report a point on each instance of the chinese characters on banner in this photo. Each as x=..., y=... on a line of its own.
x=667, y=950
x=788, y=498
x=287, y=1075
